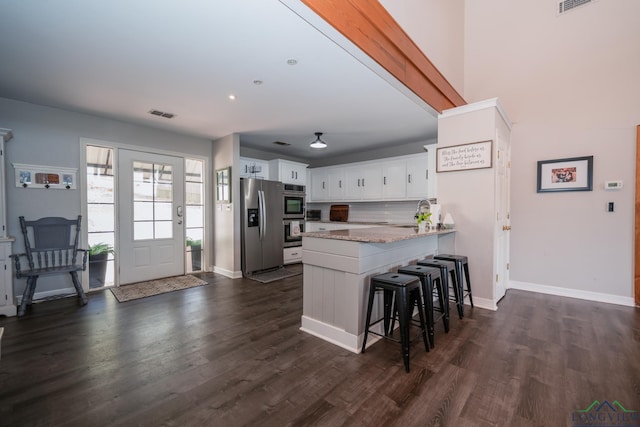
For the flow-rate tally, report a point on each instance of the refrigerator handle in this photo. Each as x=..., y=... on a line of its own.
x=262, y=217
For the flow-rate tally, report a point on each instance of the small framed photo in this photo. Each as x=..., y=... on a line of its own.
x=573, y=174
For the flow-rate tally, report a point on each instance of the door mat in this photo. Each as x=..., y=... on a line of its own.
x=155, y=287
x=272, y=276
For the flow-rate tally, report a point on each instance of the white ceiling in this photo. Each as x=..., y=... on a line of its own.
x=122, y=58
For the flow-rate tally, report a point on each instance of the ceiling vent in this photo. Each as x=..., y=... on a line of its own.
x=162, y=114
x=281, y=143
x=566, y=5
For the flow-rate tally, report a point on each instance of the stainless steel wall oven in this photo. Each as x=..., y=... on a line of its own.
x=294, y=201
x=292, y=230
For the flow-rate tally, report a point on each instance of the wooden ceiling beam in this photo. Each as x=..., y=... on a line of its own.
x=370, y=27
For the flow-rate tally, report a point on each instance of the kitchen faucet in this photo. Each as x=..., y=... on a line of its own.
x=421, y=203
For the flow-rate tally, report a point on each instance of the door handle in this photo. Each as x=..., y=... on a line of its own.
x=506, y=227
x=179, y=211
x=409, y=178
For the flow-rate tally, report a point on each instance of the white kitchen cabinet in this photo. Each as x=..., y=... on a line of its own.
x=364, y=182
x=394, y=185
x=318, y=185
x=288, y=172
x=292, y=255
x=408, y=177
x=337, y=183
x=418, y=182
x=7, y=302
x=253, y=168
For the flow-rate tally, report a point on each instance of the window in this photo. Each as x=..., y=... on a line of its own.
x=152, y=201
x=194, y=200
x=100, y=215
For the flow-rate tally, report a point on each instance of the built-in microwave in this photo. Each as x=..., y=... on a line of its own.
x=294, y=201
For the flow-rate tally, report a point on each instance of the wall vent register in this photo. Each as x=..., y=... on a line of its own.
x=566, y=5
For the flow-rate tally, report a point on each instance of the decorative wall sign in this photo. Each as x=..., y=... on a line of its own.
x=573, y=174
x=477, y=155
x=49, y=177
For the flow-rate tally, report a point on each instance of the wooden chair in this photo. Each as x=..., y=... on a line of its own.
x=54, y=251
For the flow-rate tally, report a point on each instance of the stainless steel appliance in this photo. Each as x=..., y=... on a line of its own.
x=262, y=228
x=292, y=230
x=294, y=200
x=314, y=214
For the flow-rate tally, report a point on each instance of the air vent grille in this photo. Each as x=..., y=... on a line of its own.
x=567, y=5
x=281, y=143
x=162, y=114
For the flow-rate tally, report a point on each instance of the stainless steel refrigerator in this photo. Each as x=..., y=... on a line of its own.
x=262, y=227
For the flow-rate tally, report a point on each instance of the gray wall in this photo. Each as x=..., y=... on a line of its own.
x=226, y=216
x=51, y=137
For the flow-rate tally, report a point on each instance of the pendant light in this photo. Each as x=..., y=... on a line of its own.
x=318, y=143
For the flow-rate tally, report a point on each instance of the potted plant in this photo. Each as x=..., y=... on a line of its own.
x=98, y=255
x=196, y=253
x=423, y=219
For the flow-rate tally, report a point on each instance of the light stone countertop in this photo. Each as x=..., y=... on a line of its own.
x=375, y=234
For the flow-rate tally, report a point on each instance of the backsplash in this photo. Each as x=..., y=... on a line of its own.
x=392, y=212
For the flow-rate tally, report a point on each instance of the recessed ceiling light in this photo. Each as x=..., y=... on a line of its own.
x=232, y=97
x=257, y=82
x=292, y=61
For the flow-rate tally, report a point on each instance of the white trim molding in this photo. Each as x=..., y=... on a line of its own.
x=477, y=106
x=572, y=293
x=228, y=273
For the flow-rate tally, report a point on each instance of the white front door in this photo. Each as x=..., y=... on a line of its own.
x=151, y=236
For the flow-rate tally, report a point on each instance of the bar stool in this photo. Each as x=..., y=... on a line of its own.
x=447, y=272
x=462, y=264
x=404, y=290
x=428, y=276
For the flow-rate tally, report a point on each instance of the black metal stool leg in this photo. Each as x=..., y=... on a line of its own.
x=403, y=317
x=466, y=275
x=372, y=294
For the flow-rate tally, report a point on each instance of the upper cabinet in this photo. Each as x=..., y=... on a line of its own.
x=318, y=185
x=253, y=168
x=398, y=178
x=364, y=182
x=418, y=182
x=288, y=172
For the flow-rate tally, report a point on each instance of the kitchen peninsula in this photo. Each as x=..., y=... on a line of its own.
x=338, y=265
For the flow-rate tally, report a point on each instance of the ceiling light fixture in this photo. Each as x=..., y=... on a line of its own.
x=318, y=143
x=232, y=97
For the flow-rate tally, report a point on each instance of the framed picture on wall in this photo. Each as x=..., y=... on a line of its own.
x=223, y=185
x=572, y=174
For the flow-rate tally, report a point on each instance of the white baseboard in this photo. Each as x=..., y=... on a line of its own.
x=227, y=273
x=49, y=294
x=484, y=303
x=572, y=293
x=330, y=333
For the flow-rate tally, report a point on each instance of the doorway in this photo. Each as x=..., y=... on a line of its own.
x=106, y=209
x=150, y=212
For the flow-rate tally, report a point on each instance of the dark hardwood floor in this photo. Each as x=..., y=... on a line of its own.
x=231, y=354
